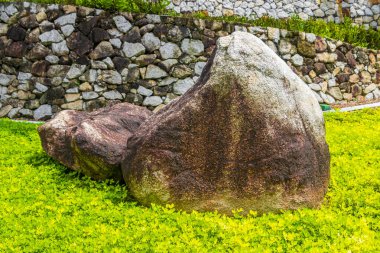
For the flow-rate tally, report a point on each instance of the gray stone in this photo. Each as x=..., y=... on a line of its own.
x=53, y=59
x=75, y=71
x=297, y=60
x=11, y=9
x=99, y=88
x=152, y=101
x=144, y=91
x=315, y=86
x=318, y=97
x=26, y=112
x=111, y=77
x=285, y=47
x=60, y=48
x=153, y=18
x=4, y=17
x=112, y=95
x=91, y=76
x=49, y=37
x=3, y=91
x=319, y=13
x=370, y=88
x=73, y=90
x=199, y=66
x=6, y=80
x=168, y=81
x=170, y=51
x=151, y=42
x=67, y=30
x=192, y=47
x=154, y=72
x=13, y=113
x=310, y=37
x=133, y=49
x=66, y=20
x=122, y=24
x=41, y=88
x=181, y=86
x=168, y=64
x=24, y=77
x=116, y=42
x=369, y=96
x=109, y=63
x=376, y=93
x=89, y=95
x=43, y=112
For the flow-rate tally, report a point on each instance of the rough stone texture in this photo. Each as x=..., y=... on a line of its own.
x=225, y=146
x=125, y=52
x=92, y=143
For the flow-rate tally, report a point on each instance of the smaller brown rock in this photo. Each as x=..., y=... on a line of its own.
x=320, y=44
x=93, y=143
x=356, y=90
x=320, y=68
x=16, y=49
x=351, y=59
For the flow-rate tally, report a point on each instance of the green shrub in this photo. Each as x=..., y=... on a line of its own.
x=47, y=208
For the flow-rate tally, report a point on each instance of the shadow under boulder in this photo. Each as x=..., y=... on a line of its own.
x=92, y=142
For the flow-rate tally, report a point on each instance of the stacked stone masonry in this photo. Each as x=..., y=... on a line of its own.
x=65, y=57
x=363, y=12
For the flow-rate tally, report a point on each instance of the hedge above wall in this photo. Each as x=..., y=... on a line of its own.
x=65, y=57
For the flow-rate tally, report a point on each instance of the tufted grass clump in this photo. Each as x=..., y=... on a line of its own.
x=45, y=207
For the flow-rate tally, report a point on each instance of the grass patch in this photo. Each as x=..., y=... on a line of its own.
x=346, y=31
x=47, y=208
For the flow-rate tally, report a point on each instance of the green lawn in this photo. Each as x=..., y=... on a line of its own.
x=46, y=208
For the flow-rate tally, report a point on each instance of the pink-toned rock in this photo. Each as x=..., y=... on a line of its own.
x=250, y=134
x=92, y=143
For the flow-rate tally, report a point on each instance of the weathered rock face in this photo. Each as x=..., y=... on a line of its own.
x=92, y=143
x=249, y=134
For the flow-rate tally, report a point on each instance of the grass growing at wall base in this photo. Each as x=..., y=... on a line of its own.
x=46, y=208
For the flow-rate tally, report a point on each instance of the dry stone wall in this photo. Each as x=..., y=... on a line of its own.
x=65, y=57
x=363, y=12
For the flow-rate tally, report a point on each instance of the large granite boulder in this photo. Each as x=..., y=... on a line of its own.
x=249, y=134
x=92, y=142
